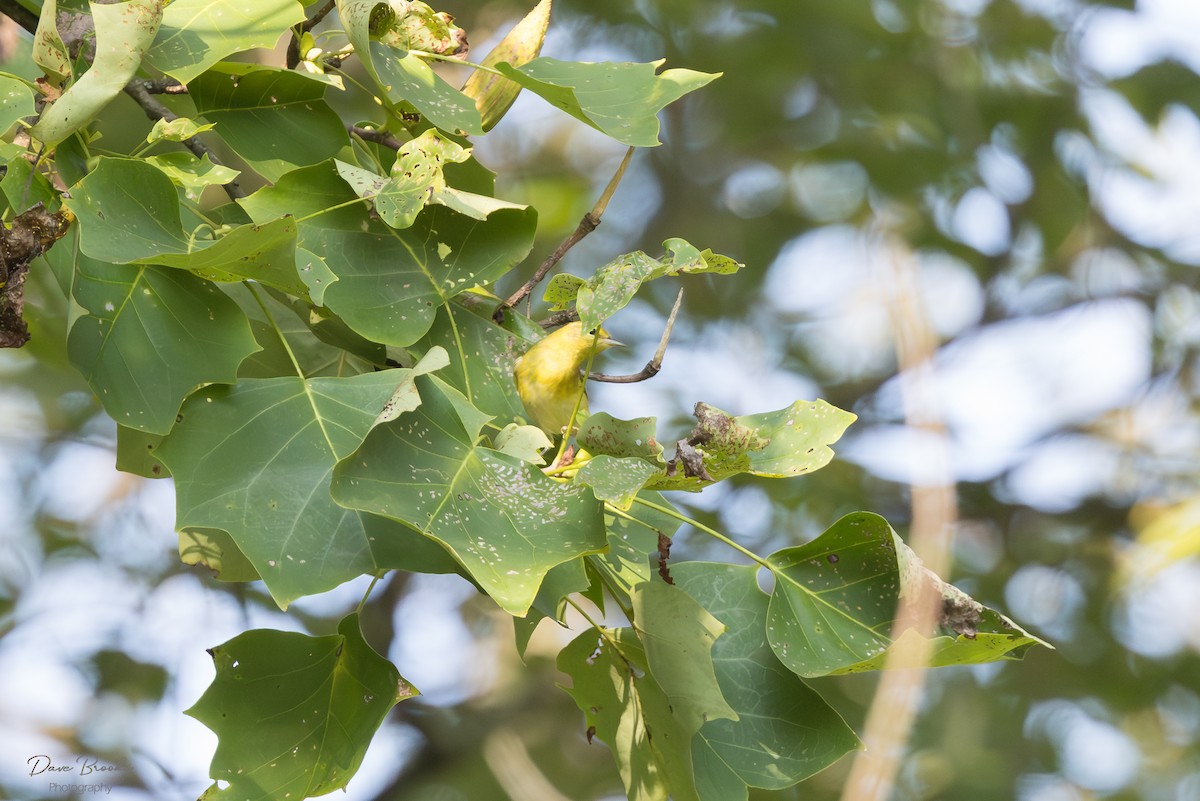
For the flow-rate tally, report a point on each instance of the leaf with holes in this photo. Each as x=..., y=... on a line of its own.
x=613, y=286
x=293, y=714
x=196, y=34
x=255, y=460
x=124, y=32
x=834, y=604
x=621, y=100
x=275, y=119
x=391, y=282
x=404, y=76
x=504, y=520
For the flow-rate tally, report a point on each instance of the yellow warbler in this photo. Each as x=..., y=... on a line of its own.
x=549, y=376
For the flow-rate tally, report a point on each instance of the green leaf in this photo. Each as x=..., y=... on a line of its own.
x=616, y=481
x=122, y=226
x=482, y=355
x=417, y=181
x=255, y=460
x=390, y=283
x=612, y=286
x=196, y=34
x=404, y=76
x=294, y=714
x=135, y=453
x=607, y=690
x=190, y=172
x=621, y=100
x=25, y=187
x=632, y=537
x=785, y=731
x=524, y=442
x=835, y=598
x=124, y=31
x=275, y=119
x=151, y=336
x=16, y=101
x=504, y=520
x=179, y=129
x=678, y=635
x=779, y=444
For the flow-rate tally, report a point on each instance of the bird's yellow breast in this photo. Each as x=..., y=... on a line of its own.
x=549, y=377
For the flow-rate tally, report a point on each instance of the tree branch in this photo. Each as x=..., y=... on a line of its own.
x=654, y=365
x=19, y=14
x=155, y=110
x=378, y=137
x=588, y=224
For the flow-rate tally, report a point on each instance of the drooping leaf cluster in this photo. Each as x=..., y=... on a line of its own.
x=318, y=366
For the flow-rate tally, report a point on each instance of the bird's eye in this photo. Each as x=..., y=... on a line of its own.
x=592, y=332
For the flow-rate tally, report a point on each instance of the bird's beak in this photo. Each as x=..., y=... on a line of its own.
x=609, y=343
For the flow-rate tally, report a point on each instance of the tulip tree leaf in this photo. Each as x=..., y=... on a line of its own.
x=495, y=94
x=785, y=731
x=16, y=101
x=835, y=599
x=616, y=481
x=49, y=51
x=482, y=355
x=293, y=714
x=417, y=180
x=215, y=549
x=124, y=32
x=783, y=443
x=391, y=282
x=275, y=119
x=255, y=460
x=129, y=213
x=621, y=100
x=612, y=286
x=504, y=520
x=404, y=76
x=678, y=635
x=150, y=336
x=196, y=34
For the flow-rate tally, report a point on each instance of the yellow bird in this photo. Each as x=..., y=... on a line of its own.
x=549, y=376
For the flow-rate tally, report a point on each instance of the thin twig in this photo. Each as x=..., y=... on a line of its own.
x=163, y=86
x=934, y=512
x=293, y=50
x=19, y=14
x=588, y=224
x=378, y=137
x=157, y=111
x=654, y=365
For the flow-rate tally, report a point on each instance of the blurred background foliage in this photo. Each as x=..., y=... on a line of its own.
x=1038, y=161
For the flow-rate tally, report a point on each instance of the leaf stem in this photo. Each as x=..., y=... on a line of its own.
x=601, y=630
x=374, y=580
x=271, y=319
x=712, y=532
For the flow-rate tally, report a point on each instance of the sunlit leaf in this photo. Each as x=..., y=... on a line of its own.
x=835, y=599
x=678, y=635
x=293, y=714
x=124, y=31
x=404, y=76
x=613, y=286
x=196, y=34
x=495, y=94
x=621, y=100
